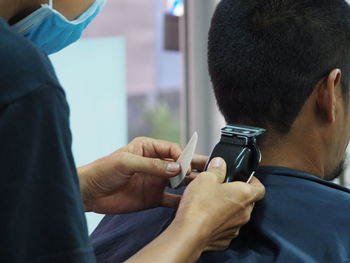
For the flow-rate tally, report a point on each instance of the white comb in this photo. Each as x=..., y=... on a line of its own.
x=185, y=160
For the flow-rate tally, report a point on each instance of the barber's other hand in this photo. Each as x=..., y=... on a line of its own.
x=132, y=178
x=215, y=210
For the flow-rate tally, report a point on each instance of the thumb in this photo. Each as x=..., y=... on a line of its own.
x=218, y=167
x=258, y=189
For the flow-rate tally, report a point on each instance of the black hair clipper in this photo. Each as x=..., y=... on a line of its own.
x=238, y=147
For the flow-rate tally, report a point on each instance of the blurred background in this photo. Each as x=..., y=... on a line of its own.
x=141, y=71
x=153, y=73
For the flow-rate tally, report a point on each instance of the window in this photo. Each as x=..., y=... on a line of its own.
x=153, y=73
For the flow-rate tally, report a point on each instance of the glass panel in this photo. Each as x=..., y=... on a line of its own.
x=94, y=81
x=154, y=74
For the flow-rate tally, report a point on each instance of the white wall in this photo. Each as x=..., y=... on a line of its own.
x=92, y=72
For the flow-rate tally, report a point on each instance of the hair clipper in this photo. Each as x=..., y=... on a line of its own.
x=238, y=147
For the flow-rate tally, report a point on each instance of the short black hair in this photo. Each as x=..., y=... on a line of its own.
x=266, y=56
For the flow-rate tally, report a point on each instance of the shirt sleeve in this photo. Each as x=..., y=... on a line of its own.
x=42, y=217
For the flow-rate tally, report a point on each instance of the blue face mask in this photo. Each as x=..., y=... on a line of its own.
x=51, y=31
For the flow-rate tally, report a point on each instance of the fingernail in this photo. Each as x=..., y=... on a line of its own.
x=215, y=163
x=173, y=167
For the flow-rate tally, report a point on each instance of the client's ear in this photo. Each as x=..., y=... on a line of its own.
x=329, y=92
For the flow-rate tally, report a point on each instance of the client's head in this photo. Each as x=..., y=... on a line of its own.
x=285, y=65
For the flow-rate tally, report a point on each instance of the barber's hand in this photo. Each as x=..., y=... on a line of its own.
x=217, y=210
x=132, y=178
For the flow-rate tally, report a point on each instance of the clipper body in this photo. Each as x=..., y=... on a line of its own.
x=238, y=147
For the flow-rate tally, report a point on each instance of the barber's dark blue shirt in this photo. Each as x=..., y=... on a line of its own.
x=42, y=217
x=302, y=219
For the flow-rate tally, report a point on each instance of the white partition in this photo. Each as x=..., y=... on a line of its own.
x=92, y=72
x=199, y=110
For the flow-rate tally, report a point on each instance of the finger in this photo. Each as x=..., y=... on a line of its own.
x=199, y=162
x=131, y=164
x=239, y=193
x=231, y=233
x=188, y=179
x=228, y=232
x=170, y=200
x=259, y=189
x=217, y=166
x=245, y=193
x=164, y=149
x=153, y=148
x=218, y=245
x=240, y=218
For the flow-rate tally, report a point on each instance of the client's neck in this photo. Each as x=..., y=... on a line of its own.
x=292, y=151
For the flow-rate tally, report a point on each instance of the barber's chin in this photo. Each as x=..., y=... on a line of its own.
x=339, y=171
